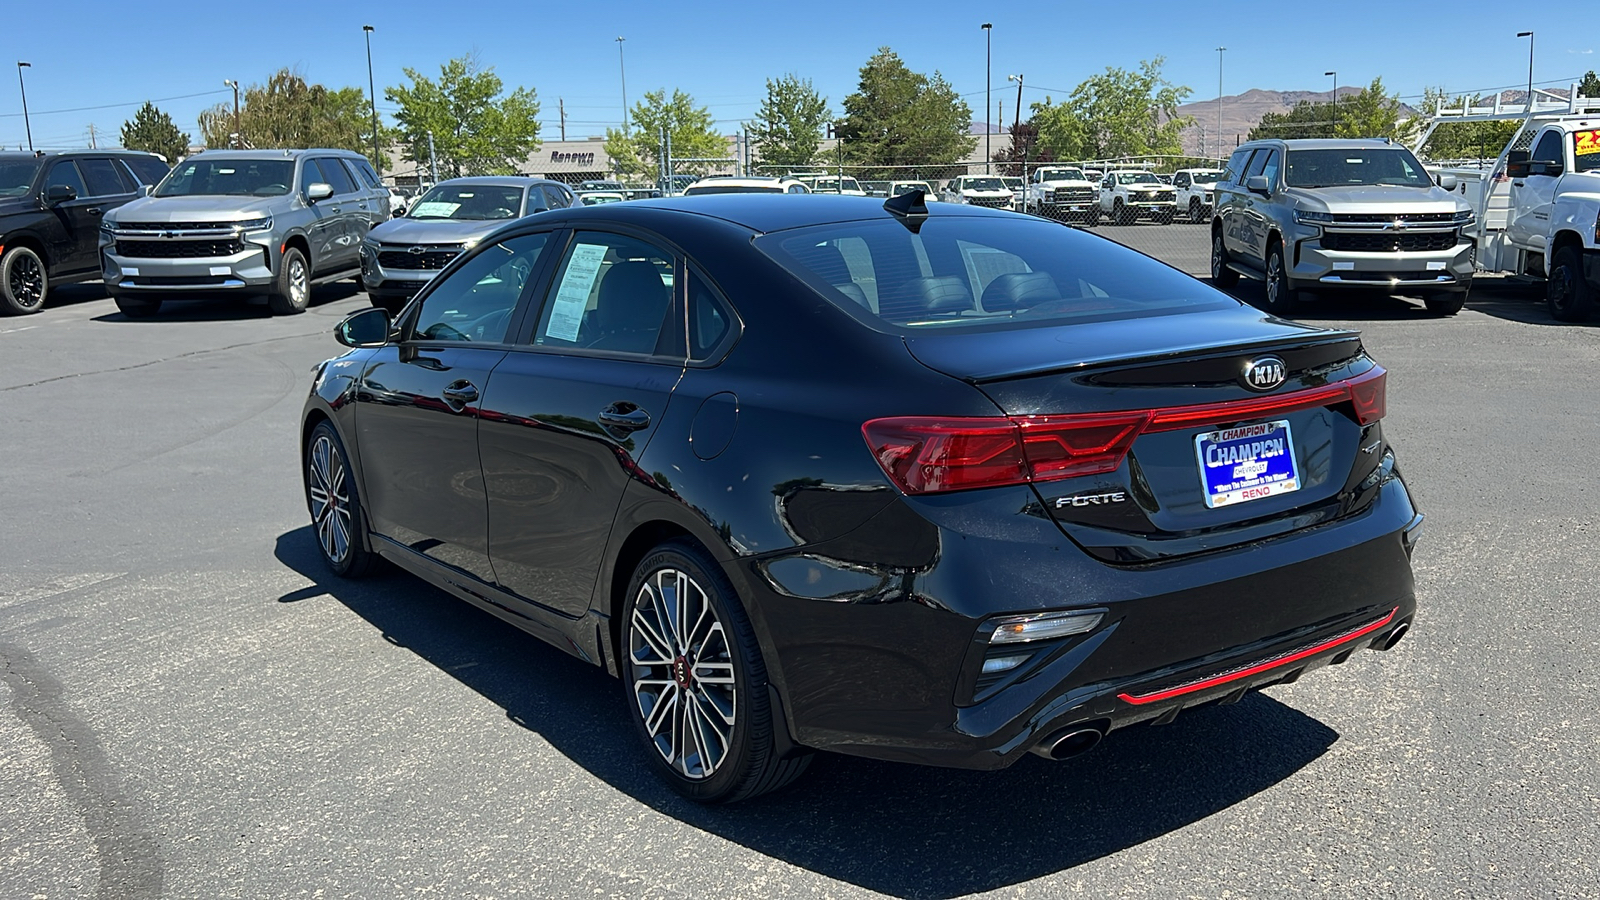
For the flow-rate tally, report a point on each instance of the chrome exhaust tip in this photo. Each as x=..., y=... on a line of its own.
x=1068, y=743
x=1395, y=636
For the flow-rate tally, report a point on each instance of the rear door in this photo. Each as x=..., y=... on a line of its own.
x=107, y=190
x=569, y=413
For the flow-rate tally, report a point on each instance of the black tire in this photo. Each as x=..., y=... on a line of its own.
x=24, y=281
x=1280, y=294
x=1566, y=292
x=1119, y=214
x=337, y=519
x=1092, y=220
x=747, y=759
x=292, y=292
x=1196, y=211
x=1447, y=304
x=1221, y=275
x=136, y=307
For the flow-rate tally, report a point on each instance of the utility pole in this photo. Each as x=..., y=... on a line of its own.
x=562, y=105
x=622, y=64
x=1520, y=34
x=24, y=88
x=1335, y=98
x=433, y=160
x=988, y=77
x=372, y=95
x=1219, y=101
x=92, y=145
x=238, y=134
x=1018, y=122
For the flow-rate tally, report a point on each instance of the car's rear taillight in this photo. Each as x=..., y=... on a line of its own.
x=926, y=455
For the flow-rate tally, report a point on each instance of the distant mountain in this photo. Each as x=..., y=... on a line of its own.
x=1242, y=112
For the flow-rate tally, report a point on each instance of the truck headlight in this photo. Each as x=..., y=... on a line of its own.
x=262, y=224
x=1463, y=217
x=1311, y=217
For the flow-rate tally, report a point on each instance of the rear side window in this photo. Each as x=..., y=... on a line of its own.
x=364, y=173
x=612, y=293
x=101, y=177
x=958, y=273
x=709, y=318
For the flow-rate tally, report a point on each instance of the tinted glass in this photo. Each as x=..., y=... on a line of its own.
x=475, y=302
x=1332, y=168
x=1236, y=163
x=709, y=320
x=363, y=170
x=737, y=189
x=311, y=173
x=1180, y=180
x=611, y=293
x=959, y=274
x=1270, y=170
x=236, y=177
x=66, y=173
x=101, y=177
x=1549, y=147
x=473, y=202
x=558, y=198
x=1257, y=163
x=338, y=176
x=16, y=178
x=147, y=169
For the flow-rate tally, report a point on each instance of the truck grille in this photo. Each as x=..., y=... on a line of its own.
x=1388, y=219
x=990, y=202
x=1072, y=195
x=432, y=258
x=178, y=249
x=1389, y=243
x=174, y=226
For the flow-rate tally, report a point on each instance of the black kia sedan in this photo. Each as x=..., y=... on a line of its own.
x=911, y=481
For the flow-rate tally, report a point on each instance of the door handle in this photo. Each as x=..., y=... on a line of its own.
x=459, y=393
x=94, y=210
x=623, y=417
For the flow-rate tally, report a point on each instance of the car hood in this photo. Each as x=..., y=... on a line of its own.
x=969, y=192
x=1067, y=183
x=13, y=205
x=1364, y=197
x=210, y=208
x=1148, y=187
x=433, y=231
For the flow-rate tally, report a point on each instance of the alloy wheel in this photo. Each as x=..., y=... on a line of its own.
x=1274, y=274
x=1558, y=288
x=1218, y=263
x=330, y=498
x=682, y=669
x=26, y=281
x=299, y=284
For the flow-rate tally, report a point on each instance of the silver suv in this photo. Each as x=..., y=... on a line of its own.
x=1332, y=214
x=243, y=222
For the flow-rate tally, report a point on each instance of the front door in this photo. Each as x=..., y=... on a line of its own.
x=419, y=408
x=567, y=418
x=75, y=235
x=1533, y=196
x=326, y=233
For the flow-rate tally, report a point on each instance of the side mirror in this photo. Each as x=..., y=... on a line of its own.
x=319, y=191
x=144, y=190
x=366, y=328
x=60, y=193
x=1545, y=167
x=1257, y=184
x=1517, y=168
x=1449, y=182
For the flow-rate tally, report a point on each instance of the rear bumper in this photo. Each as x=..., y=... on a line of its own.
x=1174, y=635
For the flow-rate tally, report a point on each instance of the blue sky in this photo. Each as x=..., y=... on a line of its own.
x=117, y=55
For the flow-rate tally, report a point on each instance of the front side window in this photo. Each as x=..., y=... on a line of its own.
x=230, y=177
x=960, y=274
x=1269, y=171
x=1258, y=162
x=1234, y=173
x=1549, y=147
x=475, y=302
x=146, y=169
x=557, y=198
x=66, y=173
x=1181, y=180
x=612, y=292
x=311, y=173
x=338, y=177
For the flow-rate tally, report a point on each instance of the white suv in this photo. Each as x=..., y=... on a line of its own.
x=1195, y=189
x=978, y=190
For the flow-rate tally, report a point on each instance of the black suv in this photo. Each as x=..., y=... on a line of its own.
x=50, y=210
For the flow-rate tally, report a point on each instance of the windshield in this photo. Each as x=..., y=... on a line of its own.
x=1205, y=177
x=906, y=187
x=1061, y=175
x=228, y=177
x=1337, y=168
x=958, y=273
x=983, y=184
x=1586, y=151
x=597, y=199
x=475, y=202
x=17, y=177
x=734, y=189
x=1137, y=178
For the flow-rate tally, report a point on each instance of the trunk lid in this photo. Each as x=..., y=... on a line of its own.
x=1188, y=368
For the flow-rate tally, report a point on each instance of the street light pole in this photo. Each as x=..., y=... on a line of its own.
x=24, y=88
x=1219, y=101
x=1016, y=124
x=1529, y=36
x=1335, y=97
x=238, y=134
x=988, y=78
x=622, y=63
x=372, y=94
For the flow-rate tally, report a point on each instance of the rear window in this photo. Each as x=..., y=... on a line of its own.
x=960, y=273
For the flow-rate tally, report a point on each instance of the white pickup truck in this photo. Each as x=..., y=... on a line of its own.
x=1537, y=209
x=1063, y=193
x=1195, y=189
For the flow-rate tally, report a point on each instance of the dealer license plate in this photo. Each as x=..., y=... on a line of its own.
x=1247, y=463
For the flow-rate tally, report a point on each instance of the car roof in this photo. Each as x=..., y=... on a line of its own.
x=1333, y=144
x=764, y=213
x=16, y=155
x=272, y=154
x=499, y=180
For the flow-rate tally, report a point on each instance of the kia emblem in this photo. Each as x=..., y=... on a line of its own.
x=1264, y=373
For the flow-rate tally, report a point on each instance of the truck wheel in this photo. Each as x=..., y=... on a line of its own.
x=1091, y=219
x=1445, y=304
x=1567, y=293
x=137, y=307
x=1221, y=275
x=1280, y=295
x=1194, y=210
x=1119, y=213
x=24, y=282
x=293, y=290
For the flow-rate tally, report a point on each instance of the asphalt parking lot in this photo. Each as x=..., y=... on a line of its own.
x=190, y=707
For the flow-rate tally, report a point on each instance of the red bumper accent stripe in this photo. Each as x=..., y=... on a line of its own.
x=1142, y=699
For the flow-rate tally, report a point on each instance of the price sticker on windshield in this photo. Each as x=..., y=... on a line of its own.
x=1587, y=142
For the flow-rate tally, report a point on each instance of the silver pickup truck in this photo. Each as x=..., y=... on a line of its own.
x=242, y=223
x=1337, y=214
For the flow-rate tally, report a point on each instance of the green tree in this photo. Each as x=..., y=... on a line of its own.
x=288, y=113
x=691, y=128
x=898, y=117
x=1115, y=114
x=1590, y=85
x=788, y=127
x=1308, y=119
x=477, y=128
x=1373, y=113
x=153, y=130
x=1463, y=140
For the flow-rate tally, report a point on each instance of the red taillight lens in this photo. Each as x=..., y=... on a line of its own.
x=1069, y=446
x=1369, y=392
x=928, y=455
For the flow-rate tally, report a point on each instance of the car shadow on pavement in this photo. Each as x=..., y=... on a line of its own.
x=223, y=309
x=1521, y=302
x=1341, y=306
x=903, y=830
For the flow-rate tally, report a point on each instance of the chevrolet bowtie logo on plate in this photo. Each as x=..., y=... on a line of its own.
x=1264, y=373
x=418, y=251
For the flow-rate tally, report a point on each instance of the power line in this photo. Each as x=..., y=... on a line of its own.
x=48, y=112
